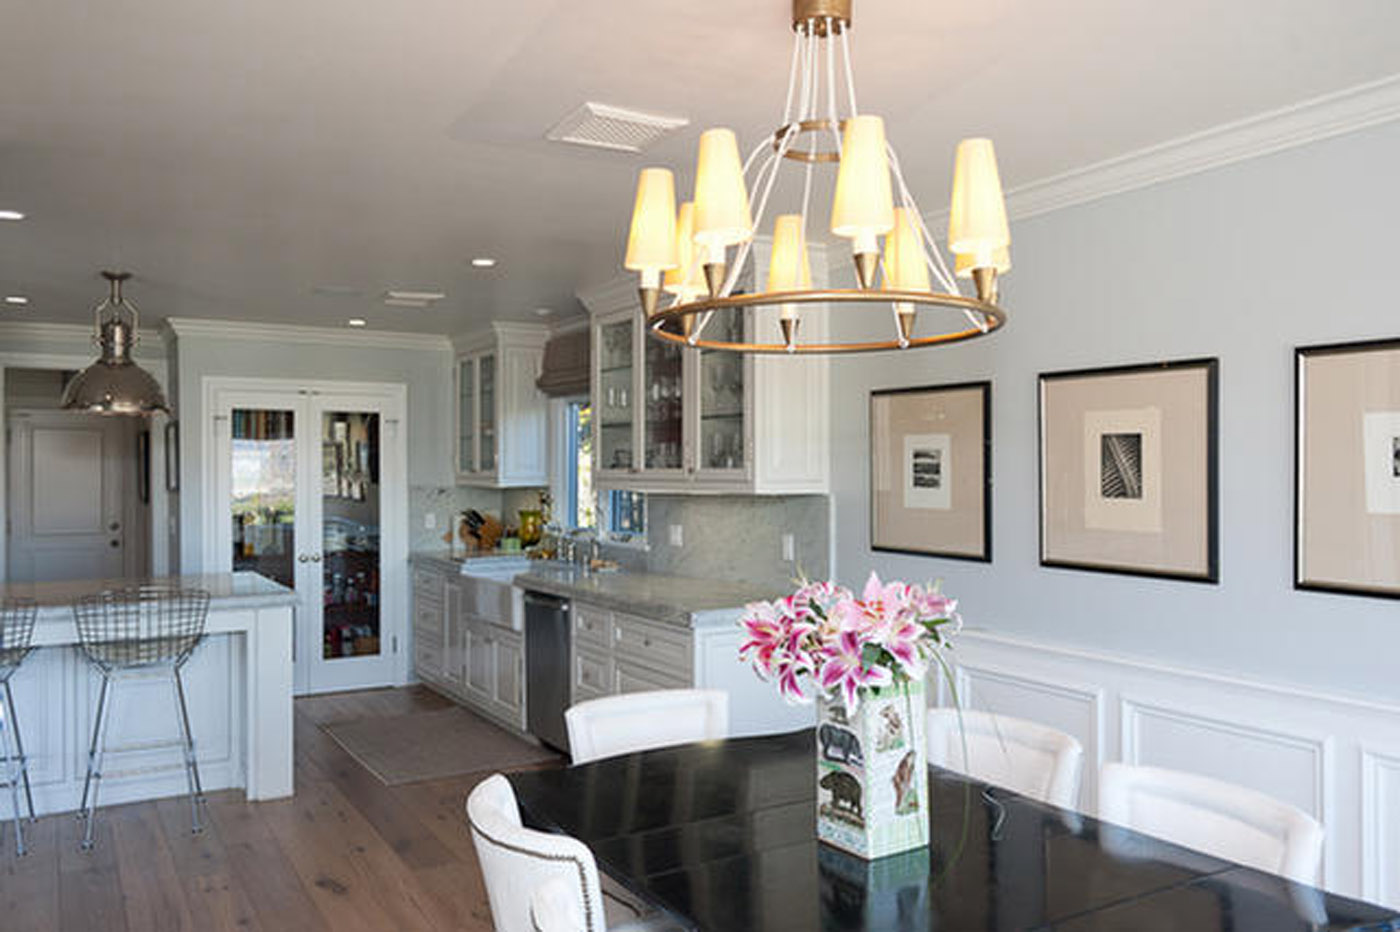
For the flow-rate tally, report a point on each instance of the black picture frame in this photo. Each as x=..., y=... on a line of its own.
x=1302, y=355
x=982, y=509
x=172, y=456
x=1208, y=571
x=143, y=466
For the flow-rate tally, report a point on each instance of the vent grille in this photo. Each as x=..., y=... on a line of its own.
x=603, y=127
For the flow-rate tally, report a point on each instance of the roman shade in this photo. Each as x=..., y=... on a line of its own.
x=565, y=368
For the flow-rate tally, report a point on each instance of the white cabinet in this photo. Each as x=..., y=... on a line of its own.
x=501, y=417
x=671, y=419
x=473, y=659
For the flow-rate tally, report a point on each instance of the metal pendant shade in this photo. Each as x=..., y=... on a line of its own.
x=115, y=384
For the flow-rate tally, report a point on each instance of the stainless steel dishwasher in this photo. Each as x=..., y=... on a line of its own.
x=547, y=636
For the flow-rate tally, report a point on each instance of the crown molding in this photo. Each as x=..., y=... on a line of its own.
x=505, y=333
x=1311, y=120
x=321, y=336
x=612, y=295
x=38, y=330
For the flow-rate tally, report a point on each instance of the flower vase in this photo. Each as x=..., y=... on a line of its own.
x=872, y=772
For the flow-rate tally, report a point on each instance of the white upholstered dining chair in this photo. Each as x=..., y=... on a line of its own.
x=537, y=881
x=1032, y=759
x=1215, y=817
x=645, y=721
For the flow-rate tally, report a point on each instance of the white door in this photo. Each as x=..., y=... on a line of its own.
x=68, y=474
x=312, y=493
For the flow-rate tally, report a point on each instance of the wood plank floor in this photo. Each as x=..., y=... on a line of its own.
x=345, y=853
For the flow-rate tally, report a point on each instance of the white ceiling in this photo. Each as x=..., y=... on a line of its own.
x=237, y=155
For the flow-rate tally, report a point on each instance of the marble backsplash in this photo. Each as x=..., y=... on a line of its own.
x=739, y=537
x=446, y=502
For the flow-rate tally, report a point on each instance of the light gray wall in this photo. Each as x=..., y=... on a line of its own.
x=427, y=373
x=1244, y=263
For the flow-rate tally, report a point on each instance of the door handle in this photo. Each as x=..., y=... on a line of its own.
x=302, y=558
x=114, y=543
x=315, y=558
x=114, y=526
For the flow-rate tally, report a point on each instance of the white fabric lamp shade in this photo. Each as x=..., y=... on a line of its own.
x=722, y=215
x=977, y=218
x=863, y=207
x=789, y=268
x=965, y=262
x=905, y=268
x=687, y=279
x=651, y=243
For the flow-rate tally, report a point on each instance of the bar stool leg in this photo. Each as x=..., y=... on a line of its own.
x=11, y=757
x=191, y=764
x=94, y=773
x=19, y=750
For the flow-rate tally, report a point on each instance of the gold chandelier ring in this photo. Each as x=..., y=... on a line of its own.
x=668, y=324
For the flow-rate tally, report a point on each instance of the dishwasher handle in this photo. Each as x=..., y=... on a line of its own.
x=550, y=602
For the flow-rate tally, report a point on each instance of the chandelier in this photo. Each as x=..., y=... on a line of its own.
x=114, y=383
x=685, y=253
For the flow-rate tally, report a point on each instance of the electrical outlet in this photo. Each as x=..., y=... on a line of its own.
x=789, y=548
x=676, y=534
x=430, y=521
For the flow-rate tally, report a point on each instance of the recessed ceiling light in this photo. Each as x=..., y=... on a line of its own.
x=544, y=311
x=18, y=299
x=11, y=215
x=483, y=262
x=356, y=322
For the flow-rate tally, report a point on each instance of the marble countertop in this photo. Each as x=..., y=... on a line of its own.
x=676, y=600
x=246, y=589
x=444, y=562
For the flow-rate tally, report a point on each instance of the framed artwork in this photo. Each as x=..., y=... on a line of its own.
x=931, y=470
x=1346, y=529
x=172, y=456
x=1128, y=470
x=143, y=466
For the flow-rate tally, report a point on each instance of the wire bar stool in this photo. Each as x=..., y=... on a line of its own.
x=139, y=630
x=16, y=632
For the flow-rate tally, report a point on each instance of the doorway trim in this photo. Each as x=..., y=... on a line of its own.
x=394, y=545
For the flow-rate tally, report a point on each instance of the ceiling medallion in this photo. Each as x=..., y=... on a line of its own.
x=685, y=253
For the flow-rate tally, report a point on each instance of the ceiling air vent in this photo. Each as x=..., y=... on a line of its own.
x=605, y=127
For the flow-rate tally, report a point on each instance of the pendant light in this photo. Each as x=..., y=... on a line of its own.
x=114, y=384
x=910, y=279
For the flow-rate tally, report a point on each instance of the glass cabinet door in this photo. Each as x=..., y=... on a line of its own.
x=350, y=510
x=486, y=413
x=662, y=380
x=466, y=415
x=263, y=489
x=614, y=405
x=721, y=392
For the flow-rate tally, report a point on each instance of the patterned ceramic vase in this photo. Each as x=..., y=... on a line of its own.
x=872, y=772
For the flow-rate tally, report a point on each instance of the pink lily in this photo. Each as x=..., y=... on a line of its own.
x=842, y=668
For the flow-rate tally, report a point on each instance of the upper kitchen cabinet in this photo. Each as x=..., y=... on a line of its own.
x=684, y=420
x=501, y=415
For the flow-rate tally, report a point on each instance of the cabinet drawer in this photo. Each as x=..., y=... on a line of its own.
x=427, y=587
x=592, y=625
x=592, y=675
x=652, y=645
x=630, y=678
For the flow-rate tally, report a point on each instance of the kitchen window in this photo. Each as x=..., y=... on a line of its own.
x=620, y=514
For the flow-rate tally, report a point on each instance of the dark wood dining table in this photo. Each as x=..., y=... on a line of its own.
x=721, y=836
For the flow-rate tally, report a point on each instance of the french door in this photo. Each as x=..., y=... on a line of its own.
x=310, y=491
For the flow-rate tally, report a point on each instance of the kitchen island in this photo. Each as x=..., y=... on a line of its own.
x=238, y=682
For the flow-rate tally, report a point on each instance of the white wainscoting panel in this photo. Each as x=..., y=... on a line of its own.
x=1336, y=757
x=1380, y=819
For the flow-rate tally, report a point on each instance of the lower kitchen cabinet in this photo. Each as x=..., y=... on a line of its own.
x=612, y=653
x=475, y=660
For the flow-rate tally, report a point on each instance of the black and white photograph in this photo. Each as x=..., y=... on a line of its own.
x=926, y=467
x=1121, y=466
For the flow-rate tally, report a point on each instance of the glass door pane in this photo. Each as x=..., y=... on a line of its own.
x=466, y=416
x=263, y=487
x=662, y=379
x=486, y=420
x=722, y=398
x=614, y=406
x=350, y=509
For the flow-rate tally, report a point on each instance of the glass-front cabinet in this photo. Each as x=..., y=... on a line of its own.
x=681, y=419
x=501, y=415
